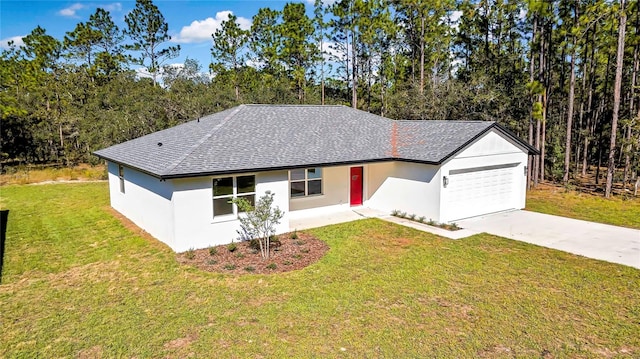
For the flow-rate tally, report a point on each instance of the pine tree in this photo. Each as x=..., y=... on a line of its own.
x=148, y=30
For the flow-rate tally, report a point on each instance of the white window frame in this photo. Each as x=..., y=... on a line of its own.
x=306, y=181
x=234, y=194
x=121, y=178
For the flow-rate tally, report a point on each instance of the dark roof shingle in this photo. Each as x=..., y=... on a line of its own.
x=261, y=137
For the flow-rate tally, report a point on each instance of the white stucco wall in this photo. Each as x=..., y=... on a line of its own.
x=195, y=226
x=335, y=194
x=489, y=150
x=179, y=212
x=146, y=201
x=408, y=187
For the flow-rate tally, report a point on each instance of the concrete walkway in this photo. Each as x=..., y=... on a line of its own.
x=594, y=240
x=325, y=219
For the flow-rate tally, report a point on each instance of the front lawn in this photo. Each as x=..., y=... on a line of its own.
x=556, y=200
x=77, y=283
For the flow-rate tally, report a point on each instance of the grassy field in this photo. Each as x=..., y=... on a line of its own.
x=77, y=283
x=558, y=201
x=25, y=175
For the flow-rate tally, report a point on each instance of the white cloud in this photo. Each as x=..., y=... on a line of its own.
x=143, y=72
x=71, y=10
x=454, y=19
x=330, y=52
x=522, y=14
x=201, y=30
x=17, y=41
x=116, y=6
x=455, y=16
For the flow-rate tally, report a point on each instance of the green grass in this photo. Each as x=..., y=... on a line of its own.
x=78, y=284
x=618, y=211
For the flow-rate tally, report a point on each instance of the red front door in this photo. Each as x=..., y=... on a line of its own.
x=356, y=186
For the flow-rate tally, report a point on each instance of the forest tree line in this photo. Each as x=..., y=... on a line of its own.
x=561, y=74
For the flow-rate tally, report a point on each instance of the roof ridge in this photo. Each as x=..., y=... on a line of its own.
x=288, y=105
x=209, y=133
x=450, y=120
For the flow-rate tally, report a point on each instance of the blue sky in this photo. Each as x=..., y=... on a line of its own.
x=190, y=22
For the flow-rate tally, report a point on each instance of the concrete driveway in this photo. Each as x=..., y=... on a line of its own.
x=593, y=240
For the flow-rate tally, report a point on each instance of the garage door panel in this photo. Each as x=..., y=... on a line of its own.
x=480, y=190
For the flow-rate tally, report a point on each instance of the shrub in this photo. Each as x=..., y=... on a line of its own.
x=272, y=266
x=287, y=263
x=249, y=268
x=212, y=262
x=232, y=247
x=421, y=219
x=432, y=222
x=454, y=226
x=260, y=221
x=395, y=213
x=412, y=217
x=190, y=254
x=300, y=243
x=402, y=215
x=294, y=235
x=297, y=256
x=304, y=250
x=229, y=266
x=213, y=251
x=239, y=255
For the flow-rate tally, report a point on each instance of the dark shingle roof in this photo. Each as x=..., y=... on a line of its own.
x=261, y=137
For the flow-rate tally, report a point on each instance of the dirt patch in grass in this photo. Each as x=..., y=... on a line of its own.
x=292, y=254
x=93, y=352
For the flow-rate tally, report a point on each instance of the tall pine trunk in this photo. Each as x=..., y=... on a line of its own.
x=634, y=77
x=572, y=87
x=531, y=159
x=616, y=100
x=422, y=26
x=354, y=72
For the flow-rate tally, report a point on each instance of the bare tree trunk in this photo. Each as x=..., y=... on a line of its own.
x=354, y=72
x=634, y=76
x=543, y=139
x=572, y=86
x=590, y=127
x=598, y=112
x=531, y=159
x=591, y=123
x=581, y=126
x=537, y=161
x=616, y=100
x=321, y=62
x=422, y=26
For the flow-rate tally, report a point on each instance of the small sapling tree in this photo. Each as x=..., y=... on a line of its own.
x=259, y=222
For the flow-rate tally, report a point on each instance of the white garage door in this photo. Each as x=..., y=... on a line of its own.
x=481, y=190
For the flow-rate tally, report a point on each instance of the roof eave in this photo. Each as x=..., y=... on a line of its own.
x=275, y=168
x=152, y=174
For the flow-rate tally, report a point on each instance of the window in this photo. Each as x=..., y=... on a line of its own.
x=305, y=182
x=227, y=188
x=121, y=177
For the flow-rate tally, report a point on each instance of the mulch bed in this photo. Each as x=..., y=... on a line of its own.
x=293, y=254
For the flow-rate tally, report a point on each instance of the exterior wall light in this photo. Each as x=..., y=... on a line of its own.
x=525, y=171
x=445, y=181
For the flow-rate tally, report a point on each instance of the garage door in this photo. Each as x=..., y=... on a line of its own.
x=481, y=190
